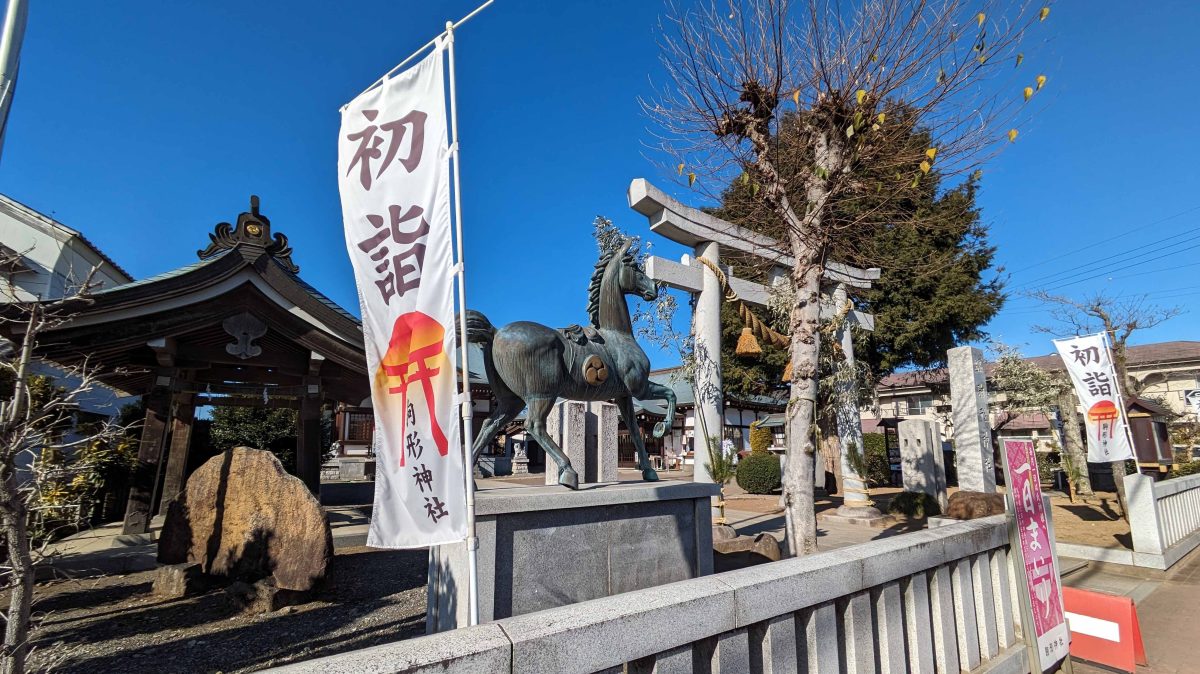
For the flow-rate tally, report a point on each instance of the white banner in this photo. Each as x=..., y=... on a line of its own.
x=393, y=175
x=1090, y=364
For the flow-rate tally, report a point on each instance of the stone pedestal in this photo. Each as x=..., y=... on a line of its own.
x=921, y=462
x=972, y=427
x=542, y=547
x=587, y=434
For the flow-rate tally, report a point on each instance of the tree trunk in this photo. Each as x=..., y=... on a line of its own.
x=1118, y=472
x=798, y=474
x=1073, y=445
x=16, y=630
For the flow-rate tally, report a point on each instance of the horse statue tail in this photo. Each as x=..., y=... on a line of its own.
x=479, y=329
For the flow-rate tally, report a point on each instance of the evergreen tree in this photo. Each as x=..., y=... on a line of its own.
x=934, y=291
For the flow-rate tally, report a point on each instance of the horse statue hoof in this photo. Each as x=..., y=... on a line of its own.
x=649, y=475
x=660, y=429
x=568, y=478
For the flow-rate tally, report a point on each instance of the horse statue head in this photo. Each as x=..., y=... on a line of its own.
x=632, y=278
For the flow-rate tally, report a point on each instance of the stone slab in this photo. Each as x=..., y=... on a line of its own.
x=482, y=648
x=587, y=434
x=921, y=459
x=972, y=427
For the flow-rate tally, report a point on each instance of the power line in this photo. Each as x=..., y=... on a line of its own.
x=1127, y=256
x=1141, y=273
x=1104, y=241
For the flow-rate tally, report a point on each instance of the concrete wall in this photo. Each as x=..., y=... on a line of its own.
x=937, y=600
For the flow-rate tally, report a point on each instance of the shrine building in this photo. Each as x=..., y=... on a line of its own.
x=239, y=327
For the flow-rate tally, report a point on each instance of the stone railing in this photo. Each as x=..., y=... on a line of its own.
x=1164, y=518
x=937, y=600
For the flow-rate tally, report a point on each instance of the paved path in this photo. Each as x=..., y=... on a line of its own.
x=1168, y=607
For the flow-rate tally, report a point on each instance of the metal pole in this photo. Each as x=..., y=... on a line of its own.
x=467, y=407
x=449, y=27
x=10, y=57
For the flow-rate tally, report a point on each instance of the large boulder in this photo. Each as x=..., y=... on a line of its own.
x=242, y=516
x=970, y=505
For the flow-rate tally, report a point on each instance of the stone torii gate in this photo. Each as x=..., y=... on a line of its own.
x=706, y=235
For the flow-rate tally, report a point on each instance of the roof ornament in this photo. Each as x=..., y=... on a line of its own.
x=253, y=230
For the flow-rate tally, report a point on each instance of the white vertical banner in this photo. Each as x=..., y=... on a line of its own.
x=1089, y=363
x=394, y=180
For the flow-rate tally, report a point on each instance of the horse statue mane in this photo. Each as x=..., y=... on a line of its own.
x=593, y=305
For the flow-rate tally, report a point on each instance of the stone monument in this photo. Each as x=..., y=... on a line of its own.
x=972, y=427
x=586, y=431
x=921, y=462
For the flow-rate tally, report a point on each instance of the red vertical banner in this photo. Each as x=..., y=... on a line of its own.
x=1036, y=553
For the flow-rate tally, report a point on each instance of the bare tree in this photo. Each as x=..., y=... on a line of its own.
x=1120, y=318
x=851, y=81
x=32, y=427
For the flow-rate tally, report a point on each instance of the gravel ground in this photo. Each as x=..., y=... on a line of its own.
x=115, y=623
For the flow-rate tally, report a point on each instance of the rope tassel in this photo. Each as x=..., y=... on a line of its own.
x=747, y=344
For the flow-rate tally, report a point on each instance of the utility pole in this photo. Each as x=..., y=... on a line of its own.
x=13, y=33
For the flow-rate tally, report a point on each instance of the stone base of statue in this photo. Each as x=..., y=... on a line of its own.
x=542, y=547
x=863, y=514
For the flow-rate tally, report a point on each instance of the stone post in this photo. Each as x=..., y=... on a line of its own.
x=710, y=403
x=154, y=432
x=177, y=454
x=921, y=461
x=972, y=427
x=1140, y=504
x=587, y=434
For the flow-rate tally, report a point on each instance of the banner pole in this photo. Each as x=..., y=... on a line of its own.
x=467, y=406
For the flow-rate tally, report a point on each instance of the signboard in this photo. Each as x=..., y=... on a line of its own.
x=394, y=180
x=1030, y=533
x=1191, y=398
x=1089, y=363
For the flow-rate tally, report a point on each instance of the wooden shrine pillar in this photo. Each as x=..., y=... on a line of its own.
x=308, y=435
x=178, y=449
x=150, y=449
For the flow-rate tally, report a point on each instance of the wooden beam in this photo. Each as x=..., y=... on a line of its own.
x=164, y=349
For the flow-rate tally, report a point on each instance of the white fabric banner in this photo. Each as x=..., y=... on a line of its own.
x=1090, y=364
x=394, y=179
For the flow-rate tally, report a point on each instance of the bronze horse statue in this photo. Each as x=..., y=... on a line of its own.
x=529, y=364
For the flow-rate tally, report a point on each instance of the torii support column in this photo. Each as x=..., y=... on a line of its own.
x=150, y=448
x=177, y=454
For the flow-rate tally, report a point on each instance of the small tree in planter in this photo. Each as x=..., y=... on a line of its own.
x=722, y=466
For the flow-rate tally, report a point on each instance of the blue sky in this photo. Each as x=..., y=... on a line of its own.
x=143, y=124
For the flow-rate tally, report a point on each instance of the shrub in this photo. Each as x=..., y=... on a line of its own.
x=875, y=469
x=759, y=473
x=1189, y=468
x=914, y=504
x=1046, y=466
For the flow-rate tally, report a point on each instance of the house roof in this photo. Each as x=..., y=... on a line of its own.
x=45, y=220
x=179, y=319
x=1136, y=355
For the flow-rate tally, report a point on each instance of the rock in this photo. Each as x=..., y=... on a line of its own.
x=743, y=551
x=264, y=597
x=970, y=505
x=243, y=517
x=179, y=580
x=723, y=532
